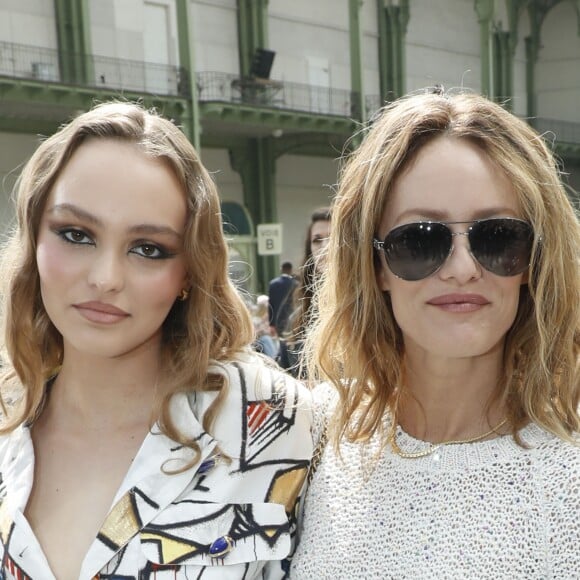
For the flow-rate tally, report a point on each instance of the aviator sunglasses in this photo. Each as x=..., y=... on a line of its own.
x=414, y=251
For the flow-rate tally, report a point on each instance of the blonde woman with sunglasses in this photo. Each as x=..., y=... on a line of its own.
x=448, y=336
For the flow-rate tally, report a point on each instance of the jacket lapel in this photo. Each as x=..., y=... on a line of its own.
x=148, y=489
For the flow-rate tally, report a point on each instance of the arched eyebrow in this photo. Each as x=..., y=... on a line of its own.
x=87, y=217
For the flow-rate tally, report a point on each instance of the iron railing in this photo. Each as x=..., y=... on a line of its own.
x=229, y=88
x=53, y=66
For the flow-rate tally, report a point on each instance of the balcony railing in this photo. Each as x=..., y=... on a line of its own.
x=48, y=65
x=228, y=88
x=52, y=66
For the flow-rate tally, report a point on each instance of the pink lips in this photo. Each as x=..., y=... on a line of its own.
x=101, y=312
x=459, y=302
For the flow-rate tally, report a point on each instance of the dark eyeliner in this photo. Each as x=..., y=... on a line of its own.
x=62, y=232
x=164, y=254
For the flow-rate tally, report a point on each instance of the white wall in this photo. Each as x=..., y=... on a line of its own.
x=32, y=22
x=443, y=45
x=215, y=34
x=228, y=181
x=304, y=29
x=302, y=185
x=370, y=48
x=558, y=67
x=15, y=150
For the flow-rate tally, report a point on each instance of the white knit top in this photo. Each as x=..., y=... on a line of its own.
x=482, y=510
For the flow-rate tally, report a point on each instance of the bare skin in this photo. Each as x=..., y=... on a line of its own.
x=450, y=397
x=85, y=441
x=454, y=351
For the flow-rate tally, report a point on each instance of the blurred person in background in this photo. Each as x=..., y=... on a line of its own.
x=280, y=292
x=317, y=236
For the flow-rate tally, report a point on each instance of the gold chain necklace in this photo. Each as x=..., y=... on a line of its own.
x=415, y=455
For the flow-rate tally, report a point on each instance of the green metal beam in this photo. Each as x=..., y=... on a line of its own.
x=244, y=38
x=187, y=63
x=275, y=119
x=383, y=44
x=71, y=99
x=485, y=10
x=255, y=163
x=28, y=126
x=356, y=72
x=74, y=40
x=252, y=31
x=393, y=21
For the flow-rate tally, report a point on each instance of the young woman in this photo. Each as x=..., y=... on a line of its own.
x=142, y=439
x=449, y=335
x=312, y=267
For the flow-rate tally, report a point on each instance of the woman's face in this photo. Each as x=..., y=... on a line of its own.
x=110, y=249
x=319, y=233
x=462, y=310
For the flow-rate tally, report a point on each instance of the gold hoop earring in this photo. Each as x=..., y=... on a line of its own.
x=183, y=295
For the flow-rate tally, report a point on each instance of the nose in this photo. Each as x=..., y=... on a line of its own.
x=460, y=264
x=106, y=272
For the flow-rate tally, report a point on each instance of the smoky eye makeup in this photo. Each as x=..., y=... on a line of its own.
x=152, y=250
x=73, y=235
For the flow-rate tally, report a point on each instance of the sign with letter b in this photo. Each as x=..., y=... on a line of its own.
x=269, y=239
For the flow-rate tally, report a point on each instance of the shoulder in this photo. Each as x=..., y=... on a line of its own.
x=557, y=464
x=261, y=400
x=325, y=398
x=558, y=461
x=256, y=379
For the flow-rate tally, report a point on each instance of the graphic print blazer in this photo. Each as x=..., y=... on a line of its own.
x=226, y=519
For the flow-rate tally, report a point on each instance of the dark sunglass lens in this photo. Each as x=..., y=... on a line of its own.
x=415, y=251
x=502, y=246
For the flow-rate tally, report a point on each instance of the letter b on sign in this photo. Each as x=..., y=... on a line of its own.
x=269, y=239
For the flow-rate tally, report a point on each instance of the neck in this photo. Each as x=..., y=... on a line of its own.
x=452, y=399
x=97, y=394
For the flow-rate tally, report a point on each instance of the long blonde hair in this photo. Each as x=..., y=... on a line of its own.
x=356, y=342
x=212, y=325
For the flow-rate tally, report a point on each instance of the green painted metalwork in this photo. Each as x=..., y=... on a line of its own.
x=64, y=101
x=356, y=73
x=484, y=10
x=393, y=21
x=502, y=68
x=74, y=40
x=187, y=61
x=252, y=31
x=244, y=39
x=256, y=164
x=537, y=10
x=275, y=119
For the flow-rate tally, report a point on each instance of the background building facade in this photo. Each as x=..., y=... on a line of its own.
x=270, y=91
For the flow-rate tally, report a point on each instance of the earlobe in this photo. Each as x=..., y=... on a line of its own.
x=525, y=277
x=383, y=278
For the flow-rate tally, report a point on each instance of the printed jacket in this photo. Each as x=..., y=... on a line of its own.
x=226, y=519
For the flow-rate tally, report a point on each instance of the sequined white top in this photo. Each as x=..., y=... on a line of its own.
x=482, y=510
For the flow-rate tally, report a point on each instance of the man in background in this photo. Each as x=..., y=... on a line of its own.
x=280, y=297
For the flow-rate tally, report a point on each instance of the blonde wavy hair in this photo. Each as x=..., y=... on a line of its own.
x=356, y=342
x=212, y=325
